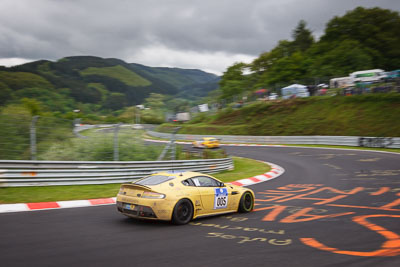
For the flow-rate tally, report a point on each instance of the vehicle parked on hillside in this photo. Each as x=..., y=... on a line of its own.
x=374, y=75
x=273, y=96
x=206, y=142
x=341, y=82
x=181, y=196
x=183, y=116
x=392, y=75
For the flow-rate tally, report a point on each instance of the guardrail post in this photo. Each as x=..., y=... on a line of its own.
x=171, y=145
x=173, y=138
x=173, y=148
x=116, y=151
x=33, y=137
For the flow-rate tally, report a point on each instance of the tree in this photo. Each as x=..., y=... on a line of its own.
x=302, y=40
x=361, y=39
x=265, y=66
x=155, y=101
x=48, y=98
x=19, y=80
x=115, y=101
x=341, y=59
x=286, y=70
x=378, y=30
x=15, y=121
x=178, y=105
x=302, y=37
x=5, y=93
x=233, y=80
x=32, y=105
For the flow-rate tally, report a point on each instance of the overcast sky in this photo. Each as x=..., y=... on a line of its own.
x=203, y=34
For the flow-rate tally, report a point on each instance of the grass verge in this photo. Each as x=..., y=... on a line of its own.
x=395, y=150
x=373, y=115
x=244, y=168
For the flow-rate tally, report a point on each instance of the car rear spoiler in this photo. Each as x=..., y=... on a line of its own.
x=136, y=186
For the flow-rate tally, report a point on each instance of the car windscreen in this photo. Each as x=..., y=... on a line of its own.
x=154, y=180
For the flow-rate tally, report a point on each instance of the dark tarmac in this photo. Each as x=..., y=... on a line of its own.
x=330, y=208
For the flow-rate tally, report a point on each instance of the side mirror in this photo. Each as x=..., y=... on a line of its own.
x=221, y=185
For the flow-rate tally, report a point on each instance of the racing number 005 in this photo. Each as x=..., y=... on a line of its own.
x=221, y=201
x=221, y=198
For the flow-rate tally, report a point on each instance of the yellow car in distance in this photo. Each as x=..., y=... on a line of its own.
x=206, y=142
x=181, y=196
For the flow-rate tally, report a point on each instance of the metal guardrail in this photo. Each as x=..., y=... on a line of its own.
x=387, y=142
x=14, y=173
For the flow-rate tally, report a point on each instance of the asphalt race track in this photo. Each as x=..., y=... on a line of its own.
x=330, y=208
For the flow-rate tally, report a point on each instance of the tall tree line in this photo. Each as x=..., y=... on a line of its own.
x=361, y=39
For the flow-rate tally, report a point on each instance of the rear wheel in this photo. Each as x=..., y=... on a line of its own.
x=246, y=203
x=183, y=212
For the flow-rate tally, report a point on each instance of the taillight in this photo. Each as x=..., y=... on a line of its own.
x=153, y=195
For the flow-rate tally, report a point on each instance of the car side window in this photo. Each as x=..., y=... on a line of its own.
x=204, y=181
x=196, y=181
x=188, y=182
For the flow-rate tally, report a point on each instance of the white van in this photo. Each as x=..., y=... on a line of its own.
x=374, y=75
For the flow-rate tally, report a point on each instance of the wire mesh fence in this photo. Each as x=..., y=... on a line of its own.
x=15, y=137
x=25, y=137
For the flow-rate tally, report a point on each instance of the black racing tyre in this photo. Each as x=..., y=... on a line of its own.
x=183, y=212
x=246, y=203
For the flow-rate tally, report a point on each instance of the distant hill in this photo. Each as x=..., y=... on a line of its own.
x=108, y=83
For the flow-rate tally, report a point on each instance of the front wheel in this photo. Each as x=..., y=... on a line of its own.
x=246, y=203
x=183, y=212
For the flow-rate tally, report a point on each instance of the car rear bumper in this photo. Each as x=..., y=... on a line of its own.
x=160, y=209
x=136, y=210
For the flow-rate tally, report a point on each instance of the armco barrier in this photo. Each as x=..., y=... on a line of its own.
x=15, y=173
x=387, y=142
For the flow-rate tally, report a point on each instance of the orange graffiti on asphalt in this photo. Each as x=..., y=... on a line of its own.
x=331, y=197
x=391, y=247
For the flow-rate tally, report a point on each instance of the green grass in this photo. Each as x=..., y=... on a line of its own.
x=244, y=168
x=99, y=146
x=56, y=193
x=19, y=80
x=360, y=115
x=395, y=150
x=120, y=73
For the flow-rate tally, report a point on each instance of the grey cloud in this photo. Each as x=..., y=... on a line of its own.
x=50, y=29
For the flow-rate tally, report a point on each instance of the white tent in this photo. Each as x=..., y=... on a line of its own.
x=295, y=90
x=296, y=86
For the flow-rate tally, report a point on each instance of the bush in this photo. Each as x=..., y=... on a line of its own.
x=100, y=147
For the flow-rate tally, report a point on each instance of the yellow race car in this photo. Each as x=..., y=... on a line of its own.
x=206, y=142
x=181, y=196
